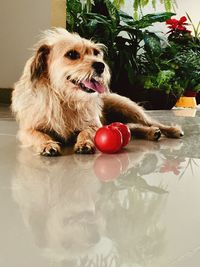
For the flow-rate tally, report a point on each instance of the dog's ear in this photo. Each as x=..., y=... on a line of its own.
x=39, y=66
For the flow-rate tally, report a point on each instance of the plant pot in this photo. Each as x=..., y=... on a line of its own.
x=190, y=93
x=159, y=100
x=188, y=100
x=149, y=99
x=198, y=98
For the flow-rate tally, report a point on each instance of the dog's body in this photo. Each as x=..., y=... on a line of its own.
x=64, y=90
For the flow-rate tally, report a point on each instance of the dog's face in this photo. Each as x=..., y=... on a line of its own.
x=71, y=64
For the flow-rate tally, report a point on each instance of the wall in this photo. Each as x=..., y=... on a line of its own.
x=192, y=7
x=21, y=22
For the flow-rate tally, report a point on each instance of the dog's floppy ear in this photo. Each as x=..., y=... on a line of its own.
x=39, y=66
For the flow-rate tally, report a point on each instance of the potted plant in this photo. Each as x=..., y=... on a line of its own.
x=176, y=70
x=187, y=52
x=164, y=88
x=186, y=57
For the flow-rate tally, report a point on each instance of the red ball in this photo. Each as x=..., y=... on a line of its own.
x=126, y=133
x=108, y=139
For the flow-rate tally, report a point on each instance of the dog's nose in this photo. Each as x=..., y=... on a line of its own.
x=98, y=67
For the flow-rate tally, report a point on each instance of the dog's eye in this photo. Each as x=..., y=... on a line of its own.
x=72, y=54
x=96, y=52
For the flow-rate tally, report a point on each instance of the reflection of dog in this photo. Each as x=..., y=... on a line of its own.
x=64, y=90
x=73, y=215
x=58, y=208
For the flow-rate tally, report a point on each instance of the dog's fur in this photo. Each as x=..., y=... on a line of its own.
x=52, y=100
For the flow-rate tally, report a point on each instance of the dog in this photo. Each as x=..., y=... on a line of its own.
x=64, y=92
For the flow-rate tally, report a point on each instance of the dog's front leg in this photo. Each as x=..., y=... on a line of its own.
x=42, y=143
x=85, y=142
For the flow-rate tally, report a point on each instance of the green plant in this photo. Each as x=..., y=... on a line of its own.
x=184, y=53
x=177, y=68
x=164, y=80
x=188, y=69
x=126, y=39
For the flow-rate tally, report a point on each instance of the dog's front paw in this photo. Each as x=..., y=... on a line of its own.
x=50, y=149
x=153, y=133
x=84, y=148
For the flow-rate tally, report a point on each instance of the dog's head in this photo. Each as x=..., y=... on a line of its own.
x=68, y=62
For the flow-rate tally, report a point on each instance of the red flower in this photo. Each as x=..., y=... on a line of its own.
x=179, y=25
x=183, y=19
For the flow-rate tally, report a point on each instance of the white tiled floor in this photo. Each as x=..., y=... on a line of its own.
x=138, y=208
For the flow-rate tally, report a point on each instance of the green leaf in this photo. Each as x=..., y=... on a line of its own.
x=73, y=9
x=195, y=29
x=148, y=83
x=144, y=2
x=74, y=6
x=113, y=12
x=164, y=76
x=125, y=15
x=136, y=4
x=127, y=19
x=135, y=15
x=99, y=31
x=149, y=20
x=152, y=44
x=157, y=17
x=197, y=88
x=98, y=17
x=154, y=4
x=118, y=3
x=168, y=5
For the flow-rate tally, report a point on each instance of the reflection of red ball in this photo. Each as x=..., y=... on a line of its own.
x=126, y=134
x=107, y=167
x=108, y=140
x=124, y=160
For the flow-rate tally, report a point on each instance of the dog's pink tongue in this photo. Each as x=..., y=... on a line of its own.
x=94, y=85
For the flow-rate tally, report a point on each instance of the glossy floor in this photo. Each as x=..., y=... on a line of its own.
x=138, y=208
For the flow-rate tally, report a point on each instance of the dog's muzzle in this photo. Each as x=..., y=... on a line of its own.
x=90, y=86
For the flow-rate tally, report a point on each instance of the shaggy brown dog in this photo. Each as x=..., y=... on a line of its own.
x=64, y=90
